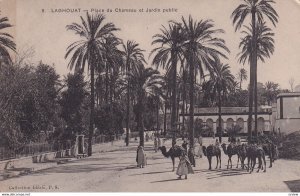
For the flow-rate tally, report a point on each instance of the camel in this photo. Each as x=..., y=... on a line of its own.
x=211, y=151
x=270, y=149
x=243, y=153
x=173, y=152
x=230, y=151
x=253, y=152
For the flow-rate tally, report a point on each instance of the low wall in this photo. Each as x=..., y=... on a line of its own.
x=287, y=125
x=31, y=161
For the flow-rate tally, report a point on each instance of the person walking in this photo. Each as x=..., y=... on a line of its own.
x=200, y=147
x=217, y=143
x=140, y=157
x=184, y=145
x=191, y=156
x=155, y=144
x=158, y=142
x=184, y=166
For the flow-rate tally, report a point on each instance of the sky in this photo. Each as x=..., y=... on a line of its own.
x=39, y=24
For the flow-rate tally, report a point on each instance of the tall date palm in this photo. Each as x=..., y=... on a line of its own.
x=202, y=49
x=257, y=10
x=219, y=85
x=265, y=47
x=89, y=51
x=144, y=82
x=6, y=42
x=133, y=57
x=168, y=53
x=242, y=75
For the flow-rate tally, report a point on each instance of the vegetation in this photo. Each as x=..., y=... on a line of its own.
x=256, y=44
x=125, y=92
x=89, y=51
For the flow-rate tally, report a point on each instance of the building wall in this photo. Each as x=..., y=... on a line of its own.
x=287, y=113
x=287, y=125
x=228, y=120
x=291, y=106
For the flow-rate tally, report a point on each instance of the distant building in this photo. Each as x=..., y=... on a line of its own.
x=231, y=116
x=287, y=112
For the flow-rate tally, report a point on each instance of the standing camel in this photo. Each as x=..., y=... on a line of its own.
x=211, y=151
x=271, y=150
x=173, y=152
x=243, y=153
x=254, y=152
x=230, y=151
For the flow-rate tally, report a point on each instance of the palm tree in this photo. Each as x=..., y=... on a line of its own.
x=257, y=9
x=242, y=75
x=133, y=57
x=183, y=89
x=112, y=61
x=219, y=85
x=202, y=49
x=166, y=89
x=272, y=90
x=6, y=42
x=89, y=51
x=167, y=55
x=144, y=82
x=265, y=47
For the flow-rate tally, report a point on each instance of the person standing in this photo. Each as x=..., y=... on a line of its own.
x=184, y=166
x=141, y=157
x=159, y=142
x=184, y=145
x=155, y=144
x=200, y=147
x=191, y=156
x=217, y=143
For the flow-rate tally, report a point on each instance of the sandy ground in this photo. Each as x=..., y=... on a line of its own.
x=116, y=171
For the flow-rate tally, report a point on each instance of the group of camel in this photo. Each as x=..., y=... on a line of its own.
x=243, y=151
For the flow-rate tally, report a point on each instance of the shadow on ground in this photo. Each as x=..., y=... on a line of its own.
x=80, y=169
x=294, y=185
x=218, y=173
x=159, y=172
x=176, y=179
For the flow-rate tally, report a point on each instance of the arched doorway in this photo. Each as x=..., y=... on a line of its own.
x=210, y=123
x=222, y=123
x=198, y=126
x=229, y=123
x=240, y=123
x=260, y=124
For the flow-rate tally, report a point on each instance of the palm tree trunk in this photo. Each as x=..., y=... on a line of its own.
x=191, y=122
x=183, y=99
x=174, y=91
x=140, y=114
x=177, y=107
x=157, y=114
x=165, y=118
x=255, y=70
x=106, y=84
x=252, y=79
x=111, y=87
x=241, y=83
x=220, y=116
x=92, y=105
x=255, y=99
x=128, y=107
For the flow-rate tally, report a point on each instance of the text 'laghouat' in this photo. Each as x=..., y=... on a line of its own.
x=110, y=10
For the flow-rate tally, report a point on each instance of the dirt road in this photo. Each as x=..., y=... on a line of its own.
x=117, y=171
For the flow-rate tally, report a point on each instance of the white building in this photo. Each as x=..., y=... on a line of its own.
x=232, y=116
x=287, y=112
